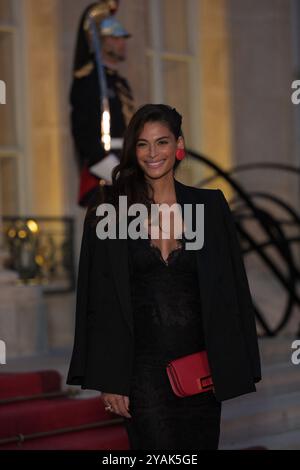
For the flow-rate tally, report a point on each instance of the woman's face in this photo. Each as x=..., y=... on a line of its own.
x=156, y=149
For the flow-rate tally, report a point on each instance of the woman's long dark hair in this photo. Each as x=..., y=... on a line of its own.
x=127, y=177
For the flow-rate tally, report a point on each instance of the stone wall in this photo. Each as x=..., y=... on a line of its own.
x=261, y=76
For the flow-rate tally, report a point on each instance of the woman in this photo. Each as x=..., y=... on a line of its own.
x=144, y=302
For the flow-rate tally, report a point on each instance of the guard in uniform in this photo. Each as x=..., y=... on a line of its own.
x=94, y=162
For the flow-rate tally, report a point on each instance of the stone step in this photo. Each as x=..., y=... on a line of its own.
x=255, y=415
x=274, y=410
x=279, y=378
x=289, y=440
x=274, y=350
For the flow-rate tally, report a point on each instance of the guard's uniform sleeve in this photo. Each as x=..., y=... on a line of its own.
x=126, y=98
x=86, y=120
x=246, y=309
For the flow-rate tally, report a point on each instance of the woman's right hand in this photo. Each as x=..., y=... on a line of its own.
x=119, y=403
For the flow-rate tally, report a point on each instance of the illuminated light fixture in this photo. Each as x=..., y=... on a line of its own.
x=32, y=225
x=22, y=234
x=11, y=233
x=39, y=260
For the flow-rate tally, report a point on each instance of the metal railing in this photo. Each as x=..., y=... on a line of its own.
x=246, y=206
x=41, y=251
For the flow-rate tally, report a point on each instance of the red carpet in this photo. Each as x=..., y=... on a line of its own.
x=29, y=383
x=26, y=417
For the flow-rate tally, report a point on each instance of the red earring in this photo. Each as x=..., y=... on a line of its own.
x=180, y=154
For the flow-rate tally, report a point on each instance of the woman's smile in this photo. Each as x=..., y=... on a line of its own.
x=157, y=164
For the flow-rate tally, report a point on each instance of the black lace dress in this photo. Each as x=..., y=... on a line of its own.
x=167, y=325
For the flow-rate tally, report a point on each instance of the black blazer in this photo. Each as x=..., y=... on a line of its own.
x=103, y=350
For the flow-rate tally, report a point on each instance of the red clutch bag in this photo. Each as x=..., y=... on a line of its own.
x=190, y=374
